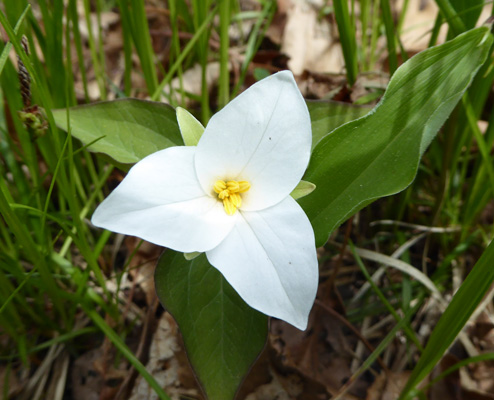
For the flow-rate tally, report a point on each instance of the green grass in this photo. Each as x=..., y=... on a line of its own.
x=50, y=184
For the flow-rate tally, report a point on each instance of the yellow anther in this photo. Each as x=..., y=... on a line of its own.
x=229, y=191
x=233, y=186
x=236, y=199
x=243, y=186
x=219, y=186
x=223, y=194
x=229, y=207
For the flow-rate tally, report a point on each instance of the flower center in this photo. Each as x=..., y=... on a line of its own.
x=229, y=193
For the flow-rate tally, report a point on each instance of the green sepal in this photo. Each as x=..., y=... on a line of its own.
x=303, y=189
x=192, y=255
x=190, y=128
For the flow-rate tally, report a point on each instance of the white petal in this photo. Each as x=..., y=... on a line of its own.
x=270, y=259
x=160, y=200
x=263, y=136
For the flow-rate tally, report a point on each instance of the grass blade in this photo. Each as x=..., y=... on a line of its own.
x=224, y=84
x=346, y=30
x=6, y=50
x=390, y=36
x=454, y=21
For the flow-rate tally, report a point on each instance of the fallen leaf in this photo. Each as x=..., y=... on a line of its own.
x=309, y=41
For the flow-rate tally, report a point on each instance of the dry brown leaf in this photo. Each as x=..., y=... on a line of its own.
x=388, y=386
x=309, y=41
x=87, y=383
x=419, y=21
x=167, y=364
x=192, y=81
x=418, y=24
x=480, y=377
x=276, y=390
x=142, y=265
x=320, y=355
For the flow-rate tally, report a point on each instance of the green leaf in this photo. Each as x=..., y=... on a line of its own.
x=464, y=303
x=326, y=116
x=127, y=130
x=468, y=10
x=190, y=127
x=378, y=155
x=222, y=334
x=302, y=189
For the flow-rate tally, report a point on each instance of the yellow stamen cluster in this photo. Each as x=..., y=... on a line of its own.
x=229, y=193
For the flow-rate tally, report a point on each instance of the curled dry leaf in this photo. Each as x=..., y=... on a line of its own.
x=168, y=365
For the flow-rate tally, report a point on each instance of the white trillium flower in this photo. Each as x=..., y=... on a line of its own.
x=229, y=196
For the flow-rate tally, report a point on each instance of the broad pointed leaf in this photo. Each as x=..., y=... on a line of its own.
x=223, y=336
x=378, y=155
x=325, y=116
x=127, y=130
